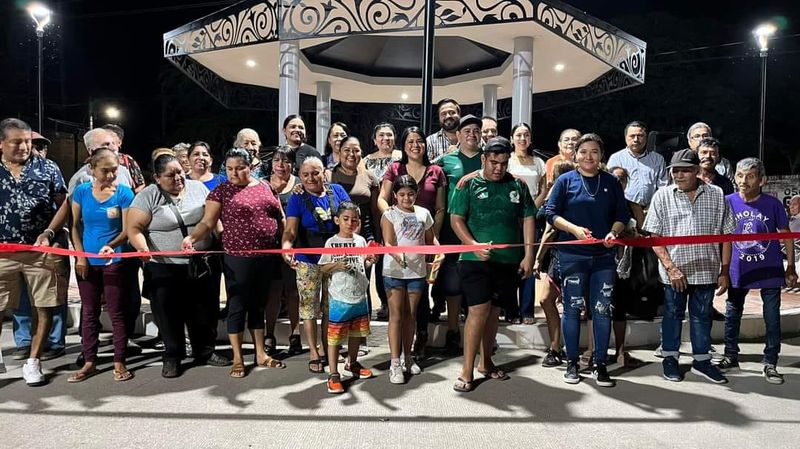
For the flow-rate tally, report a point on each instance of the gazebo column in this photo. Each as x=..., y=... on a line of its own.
x=490, y=100
x=323, y=113
x=521, y=103
x=289, y=89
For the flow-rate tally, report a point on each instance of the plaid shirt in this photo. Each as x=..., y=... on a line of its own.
x=672, y=214
x=438, y=145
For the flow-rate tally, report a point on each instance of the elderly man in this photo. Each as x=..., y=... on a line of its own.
x=94, y=139
x=126, y=160
x=646, y=172
x=566, y=151
x=695, y=135
x=31, y=189
x=757, y=265
x=445, y=140
x=248, y=139
x=708, y=152
x=690, y=273
x=488, y=129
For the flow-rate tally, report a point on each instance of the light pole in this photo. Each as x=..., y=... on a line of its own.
x=762, y=35
x=41, y=16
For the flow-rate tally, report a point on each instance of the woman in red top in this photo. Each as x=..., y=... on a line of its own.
x=253, y=218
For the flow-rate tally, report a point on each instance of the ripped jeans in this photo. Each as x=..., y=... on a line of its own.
x=701, y=300
x=587, y=277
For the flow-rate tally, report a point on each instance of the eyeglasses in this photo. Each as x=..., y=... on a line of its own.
x=700, y=136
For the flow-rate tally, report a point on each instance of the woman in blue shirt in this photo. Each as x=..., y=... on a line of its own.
x=584, y=204
x=99, y=209
x=200, y=161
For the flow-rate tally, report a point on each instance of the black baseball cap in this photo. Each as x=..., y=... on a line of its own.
x=497, y=144
x=469, y=119
x=685, y=158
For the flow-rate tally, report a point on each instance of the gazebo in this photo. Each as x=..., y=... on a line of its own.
x=369, y=51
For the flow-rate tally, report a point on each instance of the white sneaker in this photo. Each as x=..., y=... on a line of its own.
x=32, y=373
x=657, y=352
x=396, y=374
x=411, y=368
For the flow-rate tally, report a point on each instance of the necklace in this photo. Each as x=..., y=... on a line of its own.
x=587, y=190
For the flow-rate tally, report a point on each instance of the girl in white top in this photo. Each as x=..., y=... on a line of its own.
x=404, y=224
x=525, y=165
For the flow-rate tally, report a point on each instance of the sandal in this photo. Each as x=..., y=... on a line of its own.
x=496, y=374
x=272, y=363
x=320, y=367
x=80, y=376
x=295, y=346
x=122, y=376
x=237, y=370
x=463, y=386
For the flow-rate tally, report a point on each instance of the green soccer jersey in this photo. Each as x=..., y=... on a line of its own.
x=493, y=211
x=455, y=166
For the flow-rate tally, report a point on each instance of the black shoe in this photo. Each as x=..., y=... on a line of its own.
x=132, y=349
x=269, y=345
x=383, y=313
x=171, y=369
x=552, y=359
x=80, y=361
x=600, y=375
x=51, y=354
x=452, y=343
x=21, y=353
x=728, y=364
x=214, y=360
x=418, y=351
x=716, y=315
x=772, y=375
x=295, y=346
x=572, y=376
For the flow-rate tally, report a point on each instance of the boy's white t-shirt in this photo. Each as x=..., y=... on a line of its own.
x=409, y=229
x=347, y=286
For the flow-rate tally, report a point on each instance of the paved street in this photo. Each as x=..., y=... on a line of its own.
x=290, y=408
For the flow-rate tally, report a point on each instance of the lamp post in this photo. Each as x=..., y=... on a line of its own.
x=41, y=17
x=762, y=35
x=110, y=113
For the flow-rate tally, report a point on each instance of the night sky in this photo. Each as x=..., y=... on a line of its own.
x=111, y=52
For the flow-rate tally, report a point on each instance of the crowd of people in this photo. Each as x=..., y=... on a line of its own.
x=463, y=184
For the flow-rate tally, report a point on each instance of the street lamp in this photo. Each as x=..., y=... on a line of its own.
x=41, y=17
x=109, y=112
x=762, y=34
x=112, y=113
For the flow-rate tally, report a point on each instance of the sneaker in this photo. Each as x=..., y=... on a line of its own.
x=383, y=314
x=452, y=343
x=335, y=384
x=214, y=360
x=727, y=364
x=658, y=352
x=411, y=367
x=572, y=376
x=716, y=357
x=51, y=354
x=32, y=373
x=709, y=371
x=600, y=375
x=358, y=370
x=21, y=353
x=772, y=375
x=672, y=371
x=552, y=359
x=133, y=349
x=396, y=374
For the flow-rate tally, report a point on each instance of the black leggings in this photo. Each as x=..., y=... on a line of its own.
x=247, y=280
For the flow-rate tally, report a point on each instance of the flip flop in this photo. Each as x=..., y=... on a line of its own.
x=273, y=363
x=496, y=374
x=122, y=376
x=463, y=386
x=79, y=376
x=320, y=367
x=237, y=370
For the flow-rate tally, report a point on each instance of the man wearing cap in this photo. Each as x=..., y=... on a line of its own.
x=690, y=207
x=444, y=141
x=455, y=165
x=488, y=208
x=39, y=144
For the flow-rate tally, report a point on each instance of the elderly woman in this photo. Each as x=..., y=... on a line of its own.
x=284, y=182
x=294, y=130
x=587, y=203
x=336, y=134
x=248, y=139
x=431, y=194
x=99, y=209
x=182, y=153
x=251, y=212
x=200, y=161
x=309, y=223
x=566, y=152
x=160, y=217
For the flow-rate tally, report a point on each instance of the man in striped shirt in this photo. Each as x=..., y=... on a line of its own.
x=446, y=139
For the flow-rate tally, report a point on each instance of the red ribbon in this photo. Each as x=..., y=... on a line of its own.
x=643, y=242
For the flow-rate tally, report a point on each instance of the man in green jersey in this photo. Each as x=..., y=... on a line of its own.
x=488, y=209
x=455, y=165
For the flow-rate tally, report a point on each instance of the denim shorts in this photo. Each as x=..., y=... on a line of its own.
x=416, y=284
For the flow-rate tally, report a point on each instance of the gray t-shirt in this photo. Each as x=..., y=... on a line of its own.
x=85, y=175
x=163, y=233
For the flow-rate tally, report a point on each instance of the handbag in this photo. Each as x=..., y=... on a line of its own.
x=199, y=264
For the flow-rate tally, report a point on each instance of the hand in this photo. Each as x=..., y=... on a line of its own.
x=43, y=240
x=338, y=266
x=483, y=254
x=81, y=267
x=370, y=259
x=298, y=189
x=526, y=267
x=723, y=281
x=677, y=279
x=537, y=266
x=609, y=240
x=582, y=233
x=400, y=259
x=791, y=276
x=106, y=250
x=187, y=244
x=290, y=260
x=466, y=178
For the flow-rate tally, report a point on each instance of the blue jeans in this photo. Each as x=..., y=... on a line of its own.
x=701, y=301
x=582, y=277
x=771, y=308
x=527, y=292
x=22, y=324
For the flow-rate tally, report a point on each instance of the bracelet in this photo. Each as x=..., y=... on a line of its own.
x=50, y=233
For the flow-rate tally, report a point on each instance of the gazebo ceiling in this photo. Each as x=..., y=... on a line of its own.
x=371, y=50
